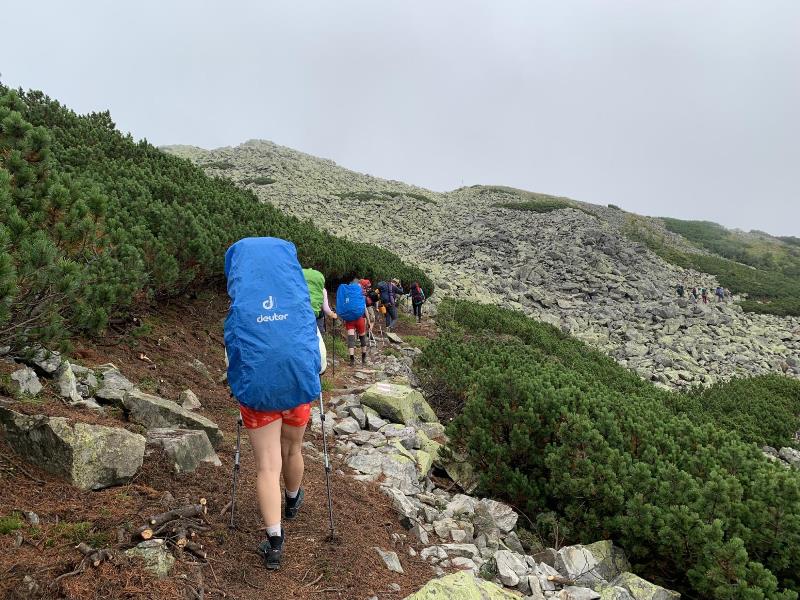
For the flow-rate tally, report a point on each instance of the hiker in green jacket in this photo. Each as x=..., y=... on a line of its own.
x=319, y=297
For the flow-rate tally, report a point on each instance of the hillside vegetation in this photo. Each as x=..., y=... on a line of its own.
x=91, y=221
x=563, y=432
x=765, y=268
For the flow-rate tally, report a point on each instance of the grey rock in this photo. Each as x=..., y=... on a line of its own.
x=67, y=383
x=46, y=361
x=113, y=386
x=357, y=412
x=198, y=366
x=189, y=400
x=491, y=514
x=390, y=559
x=465, y=550
x=90, y=457
x=510, y=567
x=154, y=412
x=26, y=381
x=346, y=426
x=572, y=592
x=404, y=506
x=186, y=448
x=157, y=559
x=791, y=456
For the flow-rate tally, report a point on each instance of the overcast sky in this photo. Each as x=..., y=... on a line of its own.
x=686, y=108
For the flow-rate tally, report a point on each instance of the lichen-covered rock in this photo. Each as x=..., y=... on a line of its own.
x=592, y=565
x=90, y=457
x=186, y=448
x=189, y=400
x=26, y=382
x=157, y=559
x=398, y=403
x=643, y=590
x=463, y=585
x=154, y=412
x=67, y=383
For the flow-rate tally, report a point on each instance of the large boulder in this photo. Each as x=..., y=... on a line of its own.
x=490, y=514
x=91, y=457
x=641, y=589
x=154, y=412
x=186, y=448
x=463, y=585
x=398, y=403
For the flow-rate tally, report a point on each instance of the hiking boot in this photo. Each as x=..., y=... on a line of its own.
x=363, y=358
x=293, y=505
x=271, y=550
x=352, y=360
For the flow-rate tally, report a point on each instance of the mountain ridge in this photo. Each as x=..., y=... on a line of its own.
x=574, y=265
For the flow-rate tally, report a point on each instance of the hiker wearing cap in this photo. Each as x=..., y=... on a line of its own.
x=275, y=357
x=319, y=297
x=352, y=307
x=417, y=300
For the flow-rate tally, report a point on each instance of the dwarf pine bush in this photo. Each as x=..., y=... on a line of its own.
x=553, y=426
x=91, y=220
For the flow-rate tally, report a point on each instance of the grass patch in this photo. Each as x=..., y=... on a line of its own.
x=75, y=533
x=542, y=206
x=366, y=196
x=327, y=385
x=10, y=523
x=263, y=180
x=336, y=343
x=390, y=351
x=418, y=341
x=218, y=164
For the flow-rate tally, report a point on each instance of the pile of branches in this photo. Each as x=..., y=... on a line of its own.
x=178, y=528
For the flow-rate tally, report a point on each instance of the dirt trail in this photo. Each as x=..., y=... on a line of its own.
x=158, y=355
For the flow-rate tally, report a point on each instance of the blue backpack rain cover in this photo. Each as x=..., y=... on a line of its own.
x=350, y=301
x=270, y=331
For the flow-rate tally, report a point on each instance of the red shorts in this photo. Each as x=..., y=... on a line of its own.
x=360, y=325
x=295, y=417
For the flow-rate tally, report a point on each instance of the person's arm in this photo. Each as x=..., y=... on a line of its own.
x=326, y=308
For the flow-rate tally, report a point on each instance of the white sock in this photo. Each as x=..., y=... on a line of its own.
x=292, y=494
x=274, y=530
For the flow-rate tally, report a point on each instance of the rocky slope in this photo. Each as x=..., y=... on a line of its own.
x=572, y=267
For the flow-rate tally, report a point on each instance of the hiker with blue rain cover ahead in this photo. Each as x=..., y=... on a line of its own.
x=275, y=356
x=351, y=306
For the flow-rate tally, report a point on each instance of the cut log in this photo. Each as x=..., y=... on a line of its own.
x=180, y=537
x=196, y=549
x=145, y=532
x=190, y=510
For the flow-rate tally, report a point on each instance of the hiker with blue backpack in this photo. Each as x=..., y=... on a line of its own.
x=275, y=357
x=351, y=306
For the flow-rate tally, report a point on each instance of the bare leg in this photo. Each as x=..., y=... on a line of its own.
x=292, y=454
x=266, y=442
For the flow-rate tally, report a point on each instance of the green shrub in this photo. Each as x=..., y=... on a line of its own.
x=263, y=180
x=367, y=196
x=553, y=427
x=544, y=205
x=10, y=523
x=222, y=165
x=91, y=220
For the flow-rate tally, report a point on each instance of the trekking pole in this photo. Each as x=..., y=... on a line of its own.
x=236, y=457
x=327, y=463
x=333, y=348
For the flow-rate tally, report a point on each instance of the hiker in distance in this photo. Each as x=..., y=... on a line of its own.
x=319, y=297
x=276, y=356
x=417, y=300
x=351, y=306
x=389, y=294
